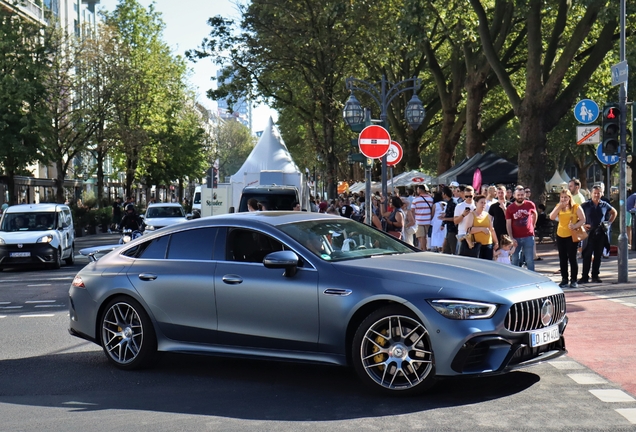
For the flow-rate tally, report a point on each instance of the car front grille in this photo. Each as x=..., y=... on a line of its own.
x=526, y=315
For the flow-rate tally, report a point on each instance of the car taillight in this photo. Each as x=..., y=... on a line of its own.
x=78, y=282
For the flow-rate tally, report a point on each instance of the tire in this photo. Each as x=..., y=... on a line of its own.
x=127, y=335
x=58, y=260
x=401, y=364
x=71, y=259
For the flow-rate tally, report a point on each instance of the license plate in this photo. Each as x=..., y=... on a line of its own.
x=544, y=336
x=20, y=254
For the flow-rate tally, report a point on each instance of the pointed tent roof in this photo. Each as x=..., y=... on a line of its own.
x=494, y=169
x=269, y=153
x=555, y=181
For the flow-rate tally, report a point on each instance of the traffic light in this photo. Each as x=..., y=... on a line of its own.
x=611, y=130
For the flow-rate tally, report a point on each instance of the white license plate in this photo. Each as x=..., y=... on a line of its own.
x=20, y=254
x=544, y=336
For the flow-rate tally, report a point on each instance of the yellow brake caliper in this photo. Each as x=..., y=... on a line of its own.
x=382, y=342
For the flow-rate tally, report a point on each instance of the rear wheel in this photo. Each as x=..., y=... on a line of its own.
x=392, y=352
x=127, y=335
x=71, y=258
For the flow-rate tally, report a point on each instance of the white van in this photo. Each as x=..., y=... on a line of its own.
x=196, y=200
x=32, y=234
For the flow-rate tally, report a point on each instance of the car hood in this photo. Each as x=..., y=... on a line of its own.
x=16, y=237
x=446, y=272
x=162, y=222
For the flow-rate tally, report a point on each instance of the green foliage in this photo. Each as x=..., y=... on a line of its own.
x=232, y=143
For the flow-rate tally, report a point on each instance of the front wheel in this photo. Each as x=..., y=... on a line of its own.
x=58, y=259
x=128, y=337
x=392, y=352
x=71, y=258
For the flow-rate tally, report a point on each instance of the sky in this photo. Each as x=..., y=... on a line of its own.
x=186, y=26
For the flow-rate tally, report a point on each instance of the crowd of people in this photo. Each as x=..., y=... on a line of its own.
x=495, y=223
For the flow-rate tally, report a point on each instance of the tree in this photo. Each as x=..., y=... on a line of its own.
x=298, y=65
x=23, y=112
x=232, y=143
x=559, y=39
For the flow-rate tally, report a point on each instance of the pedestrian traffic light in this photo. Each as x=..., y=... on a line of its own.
x=611, y=130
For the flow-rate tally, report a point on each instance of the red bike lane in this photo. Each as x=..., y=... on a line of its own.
x=601, y=335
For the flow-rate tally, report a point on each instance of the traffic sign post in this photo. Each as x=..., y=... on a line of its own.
x=394, y=155
x=374, y=141
x=586, y=111
x=604, y=158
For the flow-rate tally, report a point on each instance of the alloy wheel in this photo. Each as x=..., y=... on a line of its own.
x=122, y=333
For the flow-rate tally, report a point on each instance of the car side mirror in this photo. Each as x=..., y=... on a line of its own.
x=287, y=260
x=189, y=216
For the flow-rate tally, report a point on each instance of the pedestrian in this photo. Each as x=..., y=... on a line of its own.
x=574, y=186
x=571, y=217
x=410, y=226
x=598, y=215
x=395, y=220
x=423, y=210
x=462, y=210
x=438, y=229
x=506, y=248
x=116, y=215
x=480, y=226
x=509, y=195
x=521, y=217
x=498, y=212
x=448, y=218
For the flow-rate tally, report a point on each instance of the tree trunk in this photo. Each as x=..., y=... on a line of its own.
x=100, y=175
x=533, y=153
x=476, y=92
x=59, y=182
x=13, y=197
x=448, y=140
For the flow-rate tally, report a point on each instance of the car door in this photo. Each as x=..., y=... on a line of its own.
x=260, y=307
x=174, y=274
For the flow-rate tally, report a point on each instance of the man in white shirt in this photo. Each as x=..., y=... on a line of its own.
x=461, y=212
x=422, y=208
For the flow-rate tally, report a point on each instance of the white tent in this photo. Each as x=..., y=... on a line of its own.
x=565, y=176
x=410, y=178
x=556, y=182
x=269, y=154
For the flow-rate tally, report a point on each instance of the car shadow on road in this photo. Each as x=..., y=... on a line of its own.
x=233, y=388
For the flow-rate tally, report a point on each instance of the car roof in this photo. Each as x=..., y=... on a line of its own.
x=33, y=208
x=164, y=205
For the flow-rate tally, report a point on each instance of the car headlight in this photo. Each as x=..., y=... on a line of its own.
x=45, y=239
x=463, y=310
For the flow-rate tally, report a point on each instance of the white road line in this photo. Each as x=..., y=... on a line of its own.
x=563, y=365
x=617, y=300
x=628, y=413
x=587, y=378
x=1, y=303
x=630, y=304
x=37, y=315
x=612, y=395
x=39, y=285
x=40, y=301
x=10, y=307
x=50, y=306
x=3, y=316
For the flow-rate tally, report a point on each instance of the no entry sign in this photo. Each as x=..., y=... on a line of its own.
x=394, y=155
x=374, y=141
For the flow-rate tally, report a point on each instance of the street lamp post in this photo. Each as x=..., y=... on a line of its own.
x=353, y=112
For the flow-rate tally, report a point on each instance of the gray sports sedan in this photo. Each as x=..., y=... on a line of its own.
x=314, y=287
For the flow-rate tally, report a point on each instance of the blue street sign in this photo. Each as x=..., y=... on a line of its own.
x=605, y=160
x=586, y=111
x=619, y=73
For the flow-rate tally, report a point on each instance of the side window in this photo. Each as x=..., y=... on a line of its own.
x=250, y=246
x=152, y=249
x=194, y=244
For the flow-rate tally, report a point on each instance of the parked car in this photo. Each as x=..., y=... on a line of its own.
x=160, y=215
x=312, y=287
x=37, y=234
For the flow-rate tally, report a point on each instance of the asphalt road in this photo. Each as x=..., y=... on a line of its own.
x=54, y=382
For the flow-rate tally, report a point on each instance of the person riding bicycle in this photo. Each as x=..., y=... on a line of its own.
x=132, y=220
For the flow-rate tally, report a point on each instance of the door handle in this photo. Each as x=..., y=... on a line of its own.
x=147, y=276
x=232, y=279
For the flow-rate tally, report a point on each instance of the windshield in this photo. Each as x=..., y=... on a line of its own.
x=28, y=221
x=165, y=212
x=337, y=240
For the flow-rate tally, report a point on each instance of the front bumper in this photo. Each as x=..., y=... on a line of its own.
x=30, y=253
x=491, y=354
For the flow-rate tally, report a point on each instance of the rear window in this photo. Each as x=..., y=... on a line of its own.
x=275, y=200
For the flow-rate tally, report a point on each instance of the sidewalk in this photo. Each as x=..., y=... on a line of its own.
x=549, y=266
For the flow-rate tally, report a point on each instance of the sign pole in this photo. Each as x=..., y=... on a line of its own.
x=622, y=100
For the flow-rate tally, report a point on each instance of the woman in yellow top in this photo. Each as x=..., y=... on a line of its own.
x=571, y=217
x=480, y=223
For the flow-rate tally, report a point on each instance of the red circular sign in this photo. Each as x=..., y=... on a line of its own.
x=394, y=155
x=374, y=141
x=417, y=180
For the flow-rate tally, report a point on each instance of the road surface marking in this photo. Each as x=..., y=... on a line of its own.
x=1, y=303
x=49, y=306
x=612, y=395
x=630, y=304
x=40, y=301
x=3, y=316
x=10, y=307
x=617, y=300
x=37, y=315
x=34, y=285
x=567, y=365
x=587, y=378
x=628, y=413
